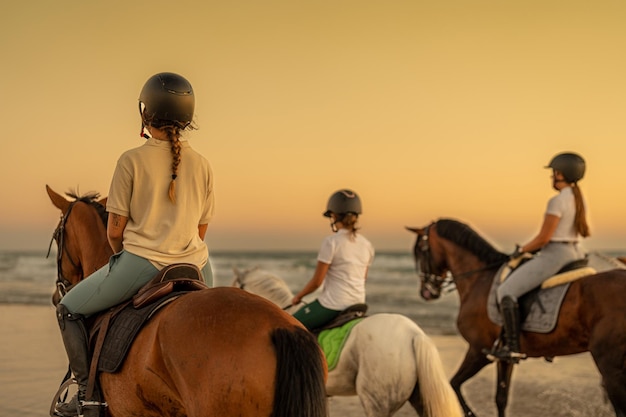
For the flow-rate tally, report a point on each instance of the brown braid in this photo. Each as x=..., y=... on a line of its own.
x=580, y=221
x=173, y=134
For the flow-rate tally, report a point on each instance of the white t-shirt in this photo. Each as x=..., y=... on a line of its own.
x=349, y=258
x=157, y=229
x=563, y=205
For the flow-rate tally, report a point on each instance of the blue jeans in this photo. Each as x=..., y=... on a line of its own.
x=114, y=283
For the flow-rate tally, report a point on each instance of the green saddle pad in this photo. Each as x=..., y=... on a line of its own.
x=332, y=341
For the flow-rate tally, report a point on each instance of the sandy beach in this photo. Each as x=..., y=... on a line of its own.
x=32, y=364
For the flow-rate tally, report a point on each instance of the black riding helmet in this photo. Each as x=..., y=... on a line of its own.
x=570, y=164
x=342, y=202
x=166, y=99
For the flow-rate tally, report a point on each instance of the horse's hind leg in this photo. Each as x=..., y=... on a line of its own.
x=416, y=400
x=608, y=353
x=615, y=386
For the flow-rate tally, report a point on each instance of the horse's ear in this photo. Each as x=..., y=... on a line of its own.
x=103, y=202
x=59, y=201
x=413, y=229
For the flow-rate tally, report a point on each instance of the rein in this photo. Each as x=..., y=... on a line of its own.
x=62, y=283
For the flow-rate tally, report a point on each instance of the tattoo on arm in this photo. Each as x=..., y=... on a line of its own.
x=116, y=220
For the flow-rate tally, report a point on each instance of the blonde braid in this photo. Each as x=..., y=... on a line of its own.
x=173, y=133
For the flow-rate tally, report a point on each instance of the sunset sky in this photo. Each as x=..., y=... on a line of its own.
x=427, y=109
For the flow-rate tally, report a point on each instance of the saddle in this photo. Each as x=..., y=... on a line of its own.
x=332, y=336
x=353, y=312
x=111, y=332
x=539, y=308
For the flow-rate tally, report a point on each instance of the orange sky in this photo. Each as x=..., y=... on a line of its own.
x=426, y=109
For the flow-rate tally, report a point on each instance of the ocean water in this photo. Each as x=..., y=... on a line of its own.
x=392, y=285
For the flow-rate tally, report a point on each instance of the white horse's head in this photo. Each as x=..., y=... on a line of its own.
x=265, y=284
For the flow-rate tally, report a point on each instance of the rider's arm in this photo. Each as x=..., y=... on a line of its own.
x=115, y=231
x=314, y=283
x=550, y=222
x=202, y=230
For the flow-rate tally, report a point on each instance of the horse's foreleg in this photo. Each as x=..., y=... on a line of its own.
x=473, y=362
x=505, y=371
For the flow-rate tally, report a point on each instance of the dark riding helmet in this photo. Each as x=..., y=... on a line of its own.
x=342, y=202
x=570, y=164
x=166, y=99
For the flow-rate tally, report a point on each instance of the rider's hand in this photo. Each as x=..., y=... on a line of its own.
x=516, y=253
x=296, y=300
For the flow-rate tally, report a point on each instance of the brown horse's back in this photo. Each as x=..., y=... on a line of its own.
x=593, y=308
x=173, y=361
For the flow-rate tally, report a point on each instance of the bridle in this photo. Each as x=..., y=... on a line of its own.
x=425, y=272
x=62, y=283
x=432, y=280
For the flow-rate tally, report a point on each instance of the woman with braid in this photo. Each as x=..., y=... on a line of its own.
x=564, y=224
x=160, y=203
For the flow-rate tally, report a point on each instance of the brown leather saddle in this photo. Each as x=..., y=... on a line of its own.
x=112, y=332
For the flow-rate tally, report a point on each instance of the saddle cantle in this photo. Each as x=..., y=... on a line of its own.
x=355, y=311
x=179, y=277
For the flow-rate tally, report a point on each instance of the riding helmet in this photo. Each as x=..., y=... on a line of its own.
x=343, y=201
x=167, y=97
x=570, y=164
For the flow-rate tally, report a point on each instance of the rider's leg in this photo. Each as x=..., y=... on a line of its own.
x=315, y=315
x=75, y=339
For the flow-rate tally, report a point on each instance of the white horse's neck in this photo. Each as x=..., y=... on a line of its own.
x=268, y=286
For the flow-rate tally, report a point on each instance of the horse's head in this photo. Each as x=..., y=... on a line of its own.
x=430, y=262
x=82, y=245
x=448, y=250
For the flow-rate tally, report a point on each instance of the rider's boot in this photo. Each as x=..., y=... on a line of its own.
x=510, y=351
x=75, y=339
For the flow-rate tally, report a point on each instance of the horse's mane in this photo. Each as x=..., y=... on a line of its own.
x=464, y=236
x=267, y=285
x=90, y=198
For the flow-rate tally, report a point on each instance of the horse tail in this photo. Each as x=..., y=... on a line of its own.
x=300, y=375
x=438, y=397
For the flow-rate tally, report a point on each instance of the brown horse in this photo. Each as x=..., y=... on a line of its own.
x=592, y=318
x=214, y=352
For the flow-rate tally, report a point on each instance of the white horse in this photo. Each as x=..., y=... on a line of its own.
x=387, y=359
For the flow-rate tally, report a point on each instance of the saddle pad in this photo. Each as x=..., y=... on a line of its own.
x=542, y=315
x=123, y=329
x=568, y=276
x=332, y=341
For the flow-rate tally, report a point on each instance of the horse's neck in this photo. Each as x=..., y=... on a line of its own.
x=467, y=269
x=91, y=239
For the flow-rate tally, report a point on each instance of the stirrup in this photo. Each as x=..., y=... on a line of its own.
x=82, y=404
x=502, y=353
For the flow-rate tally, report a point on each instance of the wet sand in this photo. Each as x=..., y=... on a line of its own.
x=32, y=364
